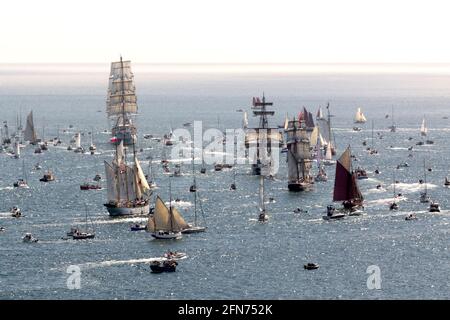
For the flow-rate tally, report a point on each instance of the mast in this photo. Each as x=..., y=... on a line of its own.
x=195, y=208
x=425, y=176
x=372, y=136
x=261, y=194
x=170, y=204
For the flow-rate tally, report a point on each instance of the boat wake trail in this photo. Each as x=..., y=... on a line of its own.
x=111, y=263
x=413, y=187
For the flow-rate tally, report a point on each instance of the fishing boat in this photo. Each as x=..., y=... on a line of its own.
x=121, y=103
x=22, y=182
x=48, y=176
x=434, y=207
x=28, y=238
x=163, y=266
x=359, y=116
x=166, y=223
x=126, y=184
x=424, y=197
x=262, y=217
x=261, y=139
x=299, y=155
x=345, y=184
x=83, y=235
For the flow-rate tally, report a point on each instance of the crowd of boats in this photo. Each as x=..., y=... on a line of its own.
x=305, y=139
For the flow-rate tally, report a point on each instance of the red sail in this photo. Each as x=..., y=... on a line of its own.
x=345, y=183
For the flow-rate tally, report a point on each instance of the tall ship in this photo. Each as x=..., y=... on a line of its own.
x=299, y=155
x=263, y=133
x=121, y=103
x=126, y=184
x=345, y=184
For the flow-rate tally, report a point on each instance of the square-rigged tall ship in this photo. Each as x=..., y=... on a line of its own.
x=262, y=138
x=121, y=103
x=128, y=190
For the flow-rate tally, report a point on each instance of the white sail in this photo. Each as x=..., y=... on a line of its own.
x=314, y=136
x=120, y=154
x=30, y=132
x=319, y=114
x=328, y=154
x=359, y=117
x=140, y=180
x=245, y=120
x=423, y=128
x=286, y=122
x=17, y=149
x=262, y=205
x=121, y=91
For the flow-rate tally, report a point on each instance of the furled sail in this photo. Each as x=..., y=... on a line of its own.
x=30, y=132
x=345, y=183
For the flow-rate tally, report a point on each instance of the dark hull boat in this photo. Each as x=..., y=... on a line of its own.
x=163, y=266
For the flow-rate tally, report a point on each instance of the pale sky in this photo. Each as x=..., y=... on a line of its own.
x=225, y=31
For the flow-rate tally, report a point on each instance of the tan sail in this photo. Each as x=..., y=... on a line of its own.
x=121, y=90
x=140, y=177
x=161, y=216
x=178, y=221
x=111, y=183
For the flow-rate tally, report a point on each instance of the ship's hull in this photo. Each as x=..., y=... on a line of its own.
x=299, y=186
x=124, y=211
x=256, y=170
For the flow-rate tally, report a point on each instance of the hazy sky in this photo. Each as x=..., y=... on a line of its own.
x=226, y=31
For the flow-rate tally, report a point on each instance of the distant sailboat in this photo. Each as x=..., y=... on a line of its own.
x=195, y=228
x=345, y=184
x=394, y=205
x=423, y=128
x=92, y=147
x=262, y=217
x=127, y=186
x=359, y=117
x=16, y=149
x=328, y=160
x=22, y=182
x=245, y=120
x=193, y=187
x=393, y=127
x=424, y=197
x=78, y=147
x=83, y=235
x=30, y=132
x=319, y=115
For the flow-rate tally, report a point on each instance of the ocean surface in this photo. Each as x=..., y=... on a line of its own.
x=237, y=258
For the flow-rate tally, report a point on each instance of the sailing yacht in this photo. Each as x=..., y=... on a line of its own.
x=359, y=116
x=126, y=184
x=324, y=126
x=16, y=149
x=92, y=147
x=345, y=184
x=82, y=235
x=193, y=187
x=78, y=147
x=299, y=156
x=394, y=205
x=195, y=228
x=319, y=115
x=30, y=131
x=150, y=175
x=424, y=197
x=328, y=160
x=22, y=182
x=423, y=128
x=166, y=223
x=372, y=149
x=121, y=103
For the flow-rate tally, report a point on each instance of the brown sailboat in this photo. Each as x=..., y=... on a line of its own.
x=345, y=184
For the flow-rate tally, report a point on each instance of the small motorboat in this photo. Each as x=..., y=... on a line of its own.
x=203, y=170
x=332, y=214
x=87, y=186
x=434, y=207
x=419, y=143
x=38, y=150
x=424, y=197
x=69, y=148
x=79, y=150
x=263, y=217
x=393, y=206
x=28, y=238
x=403, y=165
x=411, y=216
x=97, y=177
x=377, y=171
x=163, y=266
x=193, y=229
x=21, y=183
x=357, y=129
x=174, y=255
x=233, y=186
x=299, y=210
x=311, y=266
x=47, y=177
x=447, y=182
x=2, y=229
x=92, y=148
x=361, y=174
x=83, y=235
x=410, y=148
x=138, y=227
x=227, y=166
x=429, y=142
x=15, y=212
x=167, y=235
x=218, y=167
x=148, y=136
x=44, y=146
x=187, y=124
x=72, y=231
x=193, y=188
